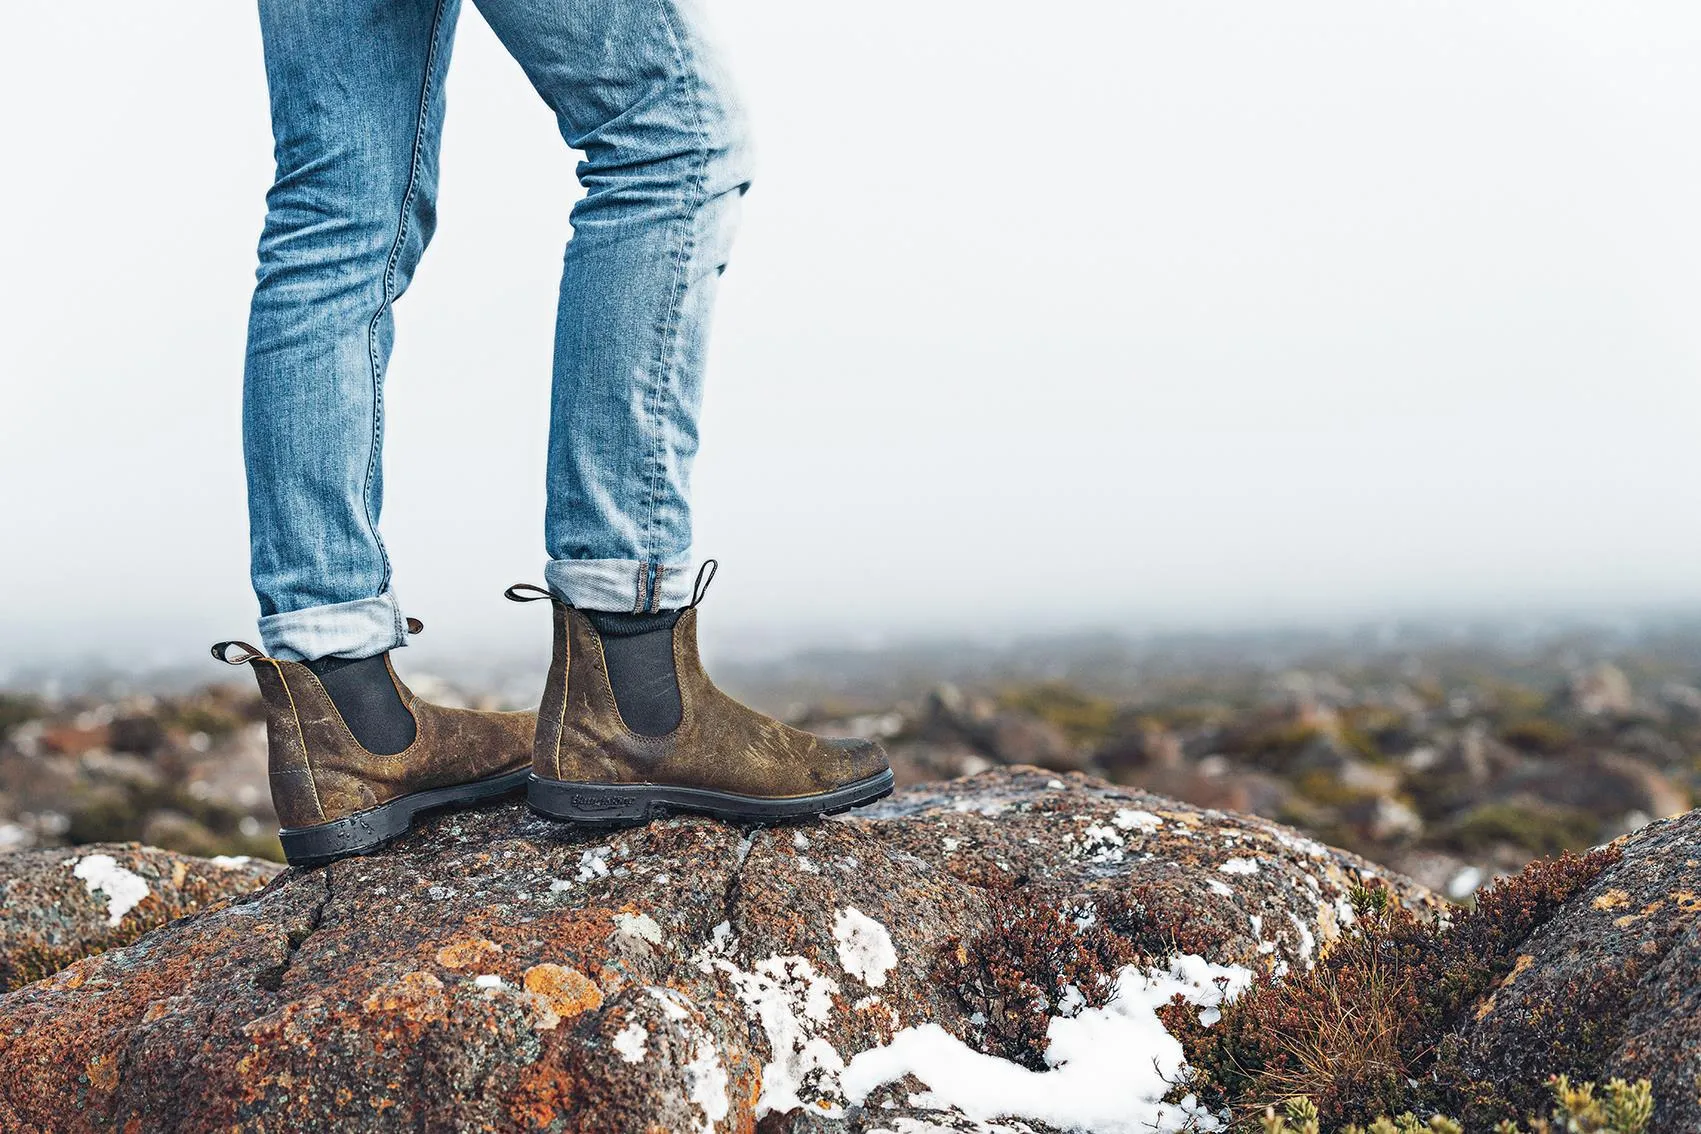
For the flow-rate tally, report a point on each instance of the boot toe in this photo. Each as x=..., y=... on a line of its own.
x=855, y=758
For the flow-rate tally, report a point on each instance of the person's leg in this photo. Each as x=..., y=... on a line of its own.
x=639, y=89
x=357, y=110
x=631, y=726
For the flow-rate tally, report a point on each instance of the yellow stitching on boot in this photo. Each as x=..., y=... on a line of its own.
x=306, y=760
x=566, y=683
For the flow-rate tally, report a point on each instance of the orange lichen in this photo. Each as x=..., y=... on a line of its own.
x=417, y=996
x=545, y=1092
x=560, y=993
x=102, y=1071
x=1611, y=900
x=466, y=954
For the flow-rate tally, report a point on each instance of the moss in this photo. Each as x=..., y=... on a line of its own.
x=1083, y=718
x=1324, y=786
x=1619, y=1108
x=1542, y=830
x=1364, y=1032
x=38, y=962
x=1271, y=745
x=1013, y=975
x=16, y=709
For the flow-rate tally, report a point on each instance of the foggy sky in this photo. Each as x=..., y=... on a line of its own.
x=1081, y=312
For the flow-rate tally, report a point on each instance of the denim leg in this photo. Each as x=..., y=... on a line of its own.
x=357, y=112
x=637, y=87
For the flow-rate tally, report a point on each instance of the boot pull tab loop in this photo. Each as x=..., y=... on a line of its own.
x=221, y=651
x=700, y=588
x=415, y=626
x=527, y=592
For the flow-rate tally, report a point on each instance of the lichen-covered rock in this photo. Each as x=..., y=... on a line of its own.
x=964, y=951
x=62, y=903
x=1611, y=985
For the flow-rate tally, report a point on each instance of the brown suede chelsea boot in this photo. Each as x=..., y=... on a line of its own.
x=334, y=797
x=718, y=757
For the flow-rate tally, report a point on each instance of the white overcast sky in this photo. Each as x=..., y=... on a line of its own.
x=1086, y=311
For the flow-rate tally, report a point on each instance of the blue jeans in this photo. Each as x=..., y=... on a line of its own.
x=357, y=114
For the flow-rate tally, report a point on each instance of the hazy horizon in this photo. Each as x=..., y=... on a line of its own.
x=1118, y=316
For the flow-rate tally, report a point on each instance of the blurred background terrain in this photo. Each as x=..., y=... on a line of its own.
x=1284, y=407
x=1449, y=752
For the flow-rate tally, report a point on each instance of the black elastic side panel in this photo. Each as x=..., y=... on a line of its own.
x=363, y=693
x=639, y=652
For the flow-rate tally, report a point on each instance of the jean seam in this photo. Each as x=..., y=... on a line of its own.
x=668, y=329
x=389, y=298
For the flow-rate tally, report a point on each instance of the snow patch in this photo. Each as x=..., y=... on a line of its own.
x=787, y=997
x=1100, y=842
x=1240, y=866
x=1133, y=819
x=708, y=1080
x=865, y=948
x=487, y=980
x=229, y=861
x=640, y=925
x=631, y=1042
x=593, y=865
x=1109, y=1068
x=1307, y=940
x=670, y=1002
x=1465, y=883
x=1221, y=889
x=124, y=889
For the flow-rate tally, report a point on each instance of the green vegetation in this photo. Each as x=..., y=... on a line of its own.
x=1082, y=717
x=1544, y=829
x=15, y=709
x=1623, y=1108
x=1367, y=1031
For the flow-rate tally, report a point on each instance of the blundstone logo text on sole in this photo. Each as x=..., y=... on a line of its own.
x=603, y=802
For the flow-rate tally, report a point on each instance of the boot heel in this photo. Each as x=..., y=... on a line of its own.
x=608, y=804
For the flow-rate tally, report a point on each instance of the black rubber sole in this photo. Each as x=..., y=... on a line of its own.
x=622, y=805
x=366, y=831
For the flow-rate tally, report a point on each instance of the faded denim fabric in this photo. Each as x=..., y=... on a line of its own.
x=357, y=96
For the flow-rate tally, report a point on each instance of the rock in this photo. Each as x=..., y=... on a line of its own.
x=494, y=970
x=1608, y=986
x=1146, y=745
x=1209, y=785
x=952, y=718
x=1602, y=690
x=919, y=761
x=65, y=903
x=1383, y=819
x=1020, y=738
x=1604, y=784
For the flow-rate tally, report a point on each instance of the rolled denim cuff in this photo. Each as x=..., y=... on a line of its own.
x=358, y=629
x=619, y=584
